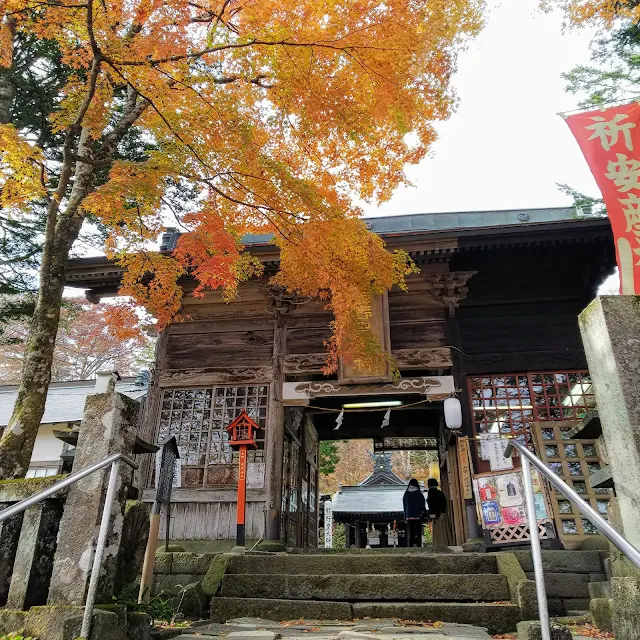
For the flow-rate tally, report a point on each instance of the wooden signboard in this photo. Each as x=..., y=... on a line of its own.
x=464, y=468
x=348, y=374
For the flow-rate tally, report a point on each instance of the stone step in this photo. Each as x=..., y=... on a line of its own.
x=403, y=587
x=497, y=618
x=363, y=564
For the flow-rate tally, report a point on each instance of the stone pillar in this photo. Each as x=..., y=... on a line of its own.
x=9, y=535
x=610, y=328
x=109, y=425
x=34, y=558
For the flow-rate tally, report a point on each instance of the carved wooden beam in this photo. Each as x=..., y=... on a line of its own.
x=281, y=299
x=449, y=288
x=428, y=358
x=210, y=377
x=300, y=364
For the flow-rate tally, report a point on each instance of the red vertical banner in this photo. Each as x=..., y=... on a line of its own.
x=610, y=142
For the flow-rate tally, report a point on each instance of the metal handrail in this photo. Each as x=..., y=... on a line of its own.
x=529, y=458
x=113, y=460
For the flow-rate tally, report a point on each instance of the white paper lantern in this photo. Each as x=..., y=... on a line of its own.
x=452, y=413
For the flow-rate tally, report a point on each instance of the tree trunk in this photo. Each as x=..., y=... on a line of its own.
x=18, y=438
x=7, y=89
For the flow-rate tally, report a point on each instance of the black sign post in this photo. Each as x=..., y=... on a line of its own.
x=165, y=473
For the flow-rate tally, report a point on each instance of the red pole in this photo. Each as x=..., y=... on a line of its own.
x=242, y=495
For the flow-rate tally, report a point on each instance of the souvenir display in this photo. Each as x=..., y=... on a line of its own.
x=501, y=504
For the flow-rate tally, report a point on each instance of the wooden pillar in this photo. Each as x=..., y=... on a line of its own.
x=458, y=371
x=149, y=424
x=275, y=427
x=242, y=497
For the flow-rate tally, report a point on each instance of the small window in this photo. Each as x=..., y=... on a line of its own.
x=41, y=472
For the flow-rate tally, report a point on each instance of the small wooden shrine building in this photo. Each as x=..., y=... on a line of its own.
x=492, y=316
x=372, y=510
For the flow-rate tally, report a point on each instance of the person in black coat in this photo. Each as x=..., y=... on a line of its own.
x=441, y=530
x=415, y=509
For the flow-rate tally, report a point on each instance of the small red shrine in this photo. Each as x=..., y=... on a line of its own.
x=243, y=431
x=242, y=435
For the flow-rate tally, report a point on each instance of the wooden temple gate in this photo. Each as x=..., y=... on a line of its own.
x=488, y=299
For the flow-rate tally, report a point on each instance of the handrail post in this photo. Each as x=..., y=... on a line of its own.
x=543, y=610
x=100, y=545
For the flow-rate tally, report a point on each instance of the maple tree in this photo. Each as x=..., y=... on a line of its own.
x=597, y=12
x=85, y=344
x=349, y=462
x=270, y=116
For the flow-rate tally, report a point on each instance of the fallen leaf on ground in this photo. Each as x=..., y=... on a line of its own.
x=429, y=624
x=589, y=631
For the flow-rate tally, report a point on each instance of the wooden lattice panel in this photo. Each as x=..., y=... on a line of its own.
x=573, y=461
x=503, y=535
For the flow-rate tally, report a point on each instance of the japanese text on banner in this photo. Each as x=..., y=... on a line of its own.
x=610, y=142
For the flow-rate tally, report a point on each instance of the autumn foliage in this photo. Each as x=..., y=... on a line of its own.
x=597, y=12
x=85, y=343
x=273, y=115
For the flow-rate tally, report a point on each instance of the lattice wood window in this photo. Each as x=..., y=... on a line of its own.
x=510, y=403
x=561, y=395
x=198, y=418
x=574, y=461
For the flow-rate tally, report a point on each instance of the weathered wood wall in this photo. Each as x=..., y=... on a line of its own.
x=212, y=521
x=522, y=307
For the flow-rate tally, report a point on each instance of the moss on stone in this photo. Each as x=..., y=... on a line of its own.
x=530, y=630
x=138, y=626
x=173, y=548
x=601, y=613
x=595, y=543
x=20, y=488
x=273, y=546
x=625, y=606
x=442, y=587
x=217, y=570
x=12, y=621
x=510, y=568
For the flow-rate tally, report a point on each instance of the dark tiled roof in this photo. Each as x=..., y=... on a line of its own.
x=425, y=222
x=376, y=499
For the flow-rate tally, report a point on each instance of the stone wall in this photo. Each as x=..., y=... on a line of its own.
x=567, y=576
x=173, y=569
x=28, y=543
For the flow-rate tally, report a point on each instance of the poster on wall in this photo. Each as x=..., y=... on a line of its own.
x=501, y=501
x=492, y=448
x=255, y=475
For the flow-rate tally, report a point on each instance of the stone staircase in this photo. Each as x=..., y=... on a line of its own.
x=463, y=588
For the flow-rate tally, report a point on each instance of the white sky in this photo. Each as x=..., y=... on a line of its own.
x=505, y=147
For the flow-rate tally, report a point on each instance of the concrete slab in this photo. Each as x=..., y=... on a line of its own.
x=253, y=635
x=465, y=631
x=248, y=620
x=413, y=631
x=425, y=635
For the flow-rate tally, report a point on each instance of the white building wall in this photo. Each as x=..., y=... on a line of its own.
x=47, y=447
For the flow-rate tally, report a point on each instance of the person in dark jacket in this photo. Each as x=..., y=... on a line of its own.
x=441, y=531
x=415, y=509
